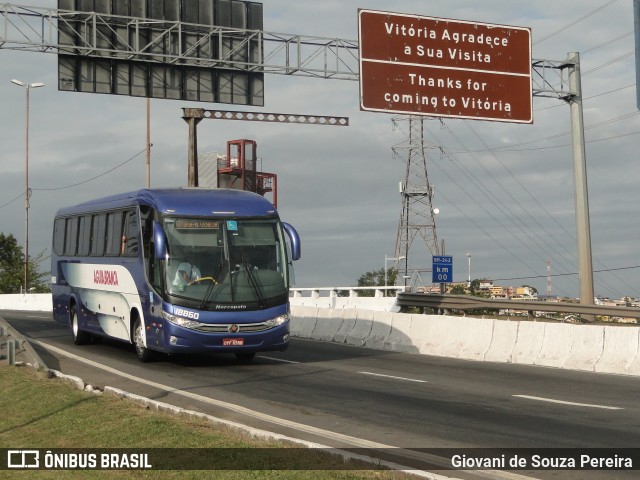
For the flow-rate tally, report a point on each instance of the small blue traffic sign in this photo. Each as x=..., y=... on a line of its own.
x=442, y=269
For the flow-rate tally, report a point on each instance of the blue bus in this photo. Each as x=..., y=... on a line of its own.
x=184, y=270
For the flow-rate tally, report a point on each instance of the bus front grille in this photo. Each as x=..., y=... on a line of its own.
x=227, y=328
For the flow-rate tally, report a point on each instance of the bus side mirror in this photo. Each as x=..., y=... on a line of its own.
x=295, y=241
x=159, y=241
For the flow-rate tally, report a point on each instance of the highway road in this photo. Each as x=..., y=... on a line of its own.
x=344, y=396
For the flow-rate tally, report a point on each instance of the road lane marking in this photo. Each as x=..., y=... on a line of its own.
x=326, y=434
x=393, y=377
x=563, y=402
x=278, y=359
x=358, y=442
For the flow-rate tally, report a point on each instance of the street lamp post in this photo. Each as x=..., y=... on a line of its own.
x=469, y=257
x=27, y=87
x=402, y=257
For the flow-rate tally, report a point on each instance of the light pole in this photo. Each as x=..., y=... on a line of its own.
x=402, y=257
x=27, y=87
x=469, y=257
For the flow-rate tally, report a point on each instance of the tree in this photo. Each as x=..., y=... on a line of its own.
x=375, y=278
x=12, y=268
x=458, y=290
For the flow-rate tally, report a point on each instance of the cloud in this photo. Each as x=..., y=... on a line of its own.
x=505, y=191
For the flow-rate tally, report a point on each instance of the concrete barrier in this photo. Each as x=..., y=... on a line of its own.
x=40, y=302
x=349, y=318
x=556, y=345
x=362, y=328
x=303, y=321
x=474, y=337
x=620, y=349
x=586, y=347
x=420, y=331
x=436, y=335
x=327, y=325
x=456, y=337
x=401, y=338
x=528, y=343
x=634, y=366
x=380, y=330
x=503, y=341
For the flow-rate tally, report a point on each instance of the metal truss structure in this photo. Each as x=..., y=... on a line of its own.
x=40, y=30
x=417, y=218
x=550, y=78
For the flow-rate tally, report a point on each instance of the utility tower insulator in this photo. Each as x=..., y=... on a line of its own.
x=417, y=218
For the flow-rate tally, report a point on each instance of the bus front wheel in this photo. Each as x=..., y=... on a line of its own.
x=80, y=337
x=143, y=353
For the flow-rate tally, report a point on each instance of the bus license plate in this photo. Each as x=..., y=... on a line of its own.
x=233, y=342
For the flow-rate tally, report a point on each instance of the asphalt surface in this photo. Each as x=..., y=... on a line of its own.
x=348, y=397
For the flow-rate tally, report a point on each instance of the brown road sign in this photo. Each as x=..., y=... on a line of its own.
x=449, y=68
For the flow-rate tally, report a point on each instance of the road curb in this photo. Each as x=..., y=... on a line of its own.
x=155, y=405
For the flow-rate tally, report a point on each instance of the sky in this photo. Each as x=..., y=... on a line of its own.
x=504, y=192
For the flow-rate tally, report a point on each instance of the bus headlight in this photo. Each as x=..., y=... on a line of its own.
x=180, y=321
x=274, y=322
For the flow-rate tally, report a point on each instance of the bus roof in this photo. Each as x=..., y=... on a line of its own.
x=194, y=201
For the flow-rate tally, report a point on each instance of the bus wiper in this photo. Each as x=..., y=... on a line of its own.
x=209, y=291
x=254, y=285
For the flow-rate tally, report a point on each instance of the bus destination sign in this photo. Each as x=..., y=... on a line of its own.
x=446, y=68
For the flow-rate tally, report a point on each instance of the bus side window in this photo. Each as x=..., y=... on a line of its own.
x=130, y=236
x=84, y=235
x=114, y=233
x=150, y=262
x=98, y=235
x=71, y=238
x=59, y=229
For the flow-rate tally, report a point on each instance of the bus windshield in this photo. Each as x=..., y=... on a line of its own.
x=225, y=264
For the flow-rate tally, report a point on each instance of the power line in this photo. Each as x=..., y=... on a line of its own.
x=93, y=178
x=507, y=213
x=575, y=22
x=566, y=274
x=79, y=183
x=610, y=62
x=11, y=201
x=539, y=241
x=604, y=44
x=510, y=148
x=564, y=145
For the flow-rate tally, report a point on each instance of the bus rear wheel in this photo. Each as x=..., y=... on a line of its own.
x=80, y=337
x=143, y=353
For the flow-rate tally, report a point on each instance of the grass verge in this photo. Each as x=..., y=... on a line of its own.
x=37, y=412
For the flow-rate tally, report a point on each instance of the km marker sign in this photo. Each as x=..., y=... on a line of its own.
x=431, y=66
x=442, y=269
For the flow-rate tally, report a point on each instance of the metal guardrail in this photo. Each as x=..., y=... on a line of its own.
x=18, y=350
x=466, y=302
